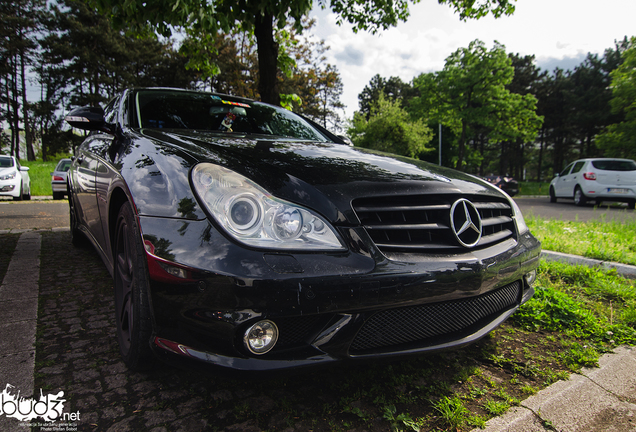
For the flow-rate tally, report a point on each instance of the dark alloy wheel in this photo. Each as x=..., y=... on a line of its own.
x=553, y=197
x=579, y=197
x=132, y=309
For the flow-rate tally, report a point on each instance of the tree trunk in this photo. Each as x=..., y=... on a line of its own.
x=28, y=136
x=267, y=59
x=460, y=148
x=540, y=161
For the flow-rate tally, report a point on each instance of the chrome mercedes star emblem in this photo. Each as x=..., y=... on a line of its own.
x=465, y=222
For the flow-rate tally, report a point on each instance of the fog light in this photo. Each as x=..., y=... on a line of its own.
x=531, y=277
x=261, y=337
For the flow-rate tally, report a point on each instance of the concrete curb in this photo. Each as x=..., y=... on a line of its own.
x=624, y=269
x=597, y=399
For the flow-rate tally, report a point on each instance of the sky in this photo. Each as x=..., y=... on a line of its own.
x=559, y=33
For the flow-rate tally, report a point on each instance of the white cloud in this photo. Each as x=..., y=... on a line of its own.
x=552, y=30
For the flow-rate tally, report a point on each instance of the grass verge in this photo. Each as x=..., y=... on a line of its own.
x=603, y=240
x=40, y=174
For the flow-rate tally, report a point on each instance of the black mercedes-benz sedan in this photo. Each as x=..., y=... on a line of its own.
x=240, y=235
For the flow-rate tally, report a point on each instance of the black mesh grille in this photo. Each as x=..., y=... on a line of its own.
x=418, y=323
x=295, y=330
x=421, y=223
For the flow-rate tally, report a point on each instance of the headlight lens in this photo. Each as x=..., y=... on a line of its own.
x=522, y=228
x=9, y=176
x=254, y=217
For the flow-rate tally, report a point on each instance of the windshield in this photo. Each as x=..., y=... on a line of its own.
x=6, y=162
x=170, y=109
x=615, y=165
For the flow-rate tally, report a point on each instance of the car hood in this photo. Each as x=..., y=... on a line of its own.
x=323, y=176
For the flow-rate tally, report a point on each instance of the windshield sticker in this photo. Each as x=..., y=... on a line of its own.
x=227, y=122
x=244, y=105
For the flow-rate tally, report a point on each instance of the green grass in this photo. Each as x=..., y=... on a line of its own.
x=40, y=174
x=534, y=188
x=603, y=240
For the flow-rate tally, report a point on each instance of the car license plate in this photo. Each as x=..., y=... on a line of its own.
x=617, y=190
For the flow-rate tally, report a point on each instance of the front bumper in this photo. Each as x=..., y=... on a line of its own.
x=324, y=304
x=10, y=188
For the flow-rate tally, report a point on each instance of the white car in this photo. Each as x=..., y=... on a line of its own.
x=14, y=179
x=597, y=180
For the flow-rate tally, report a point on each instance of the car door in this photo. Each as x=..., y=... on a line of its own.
x=85, y=186
x=563, y=183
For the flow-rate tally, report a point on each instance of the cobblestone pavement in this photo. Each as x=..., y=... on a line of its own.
x=77, y=353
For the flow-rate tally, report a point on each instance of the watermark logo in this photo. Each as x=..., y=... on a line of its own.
x=48, y=407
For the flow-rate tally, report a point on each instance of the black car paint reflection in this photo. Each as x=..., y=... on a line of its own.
x=203, y=290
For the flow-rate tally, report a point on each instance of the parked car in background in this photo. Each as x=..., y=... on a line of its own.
x=598, y=180
x=14, y=179
x=240, y=235
x=58, y=179
x=505, y=183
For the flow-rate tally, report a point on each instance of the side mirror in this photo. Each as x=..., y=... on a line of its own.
x=346, y=140
x=87, y=118
x=24, y=169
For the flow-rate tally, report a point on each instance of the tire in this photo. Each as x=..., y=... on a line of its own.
x=631, y=205
x=19, y=197
x=132, y=307
x=58, y=195
x=553, y=197
x=579, y=197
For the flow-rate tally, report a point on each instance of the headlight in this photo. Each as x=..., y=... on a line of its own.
x=9, y=176
x=254, y=217
x=522, y=228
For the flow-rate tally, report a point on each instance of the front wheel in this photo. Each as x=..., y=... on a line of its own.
x=132, y=308
x=631, y=205
x=19, y=197
x=579, y=197
x=553, y=197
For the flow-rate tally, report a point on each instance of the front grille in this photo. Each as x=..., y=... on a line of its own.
x=418, y=323
x=421, y=223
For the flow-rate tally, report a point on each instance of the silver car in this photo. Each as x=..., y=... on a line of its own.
x=598, y=179
x=58, y=179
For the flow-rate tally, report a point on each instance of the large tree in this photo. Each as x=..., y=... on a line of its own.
x=470, y=95
x=262, y=16
x=393, y=89
x=19, y=25
x=619, y=139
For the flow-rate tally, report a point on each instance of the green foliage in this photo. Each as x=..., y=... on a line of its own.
x=452, y=410
x=619, y=139
x=470, y=96
x=558, y=305
x=390, y=129
x=40, y=175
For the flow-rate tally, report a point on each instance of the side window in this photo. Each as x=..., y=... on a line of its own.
x=577, y=167
x=566, y=170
